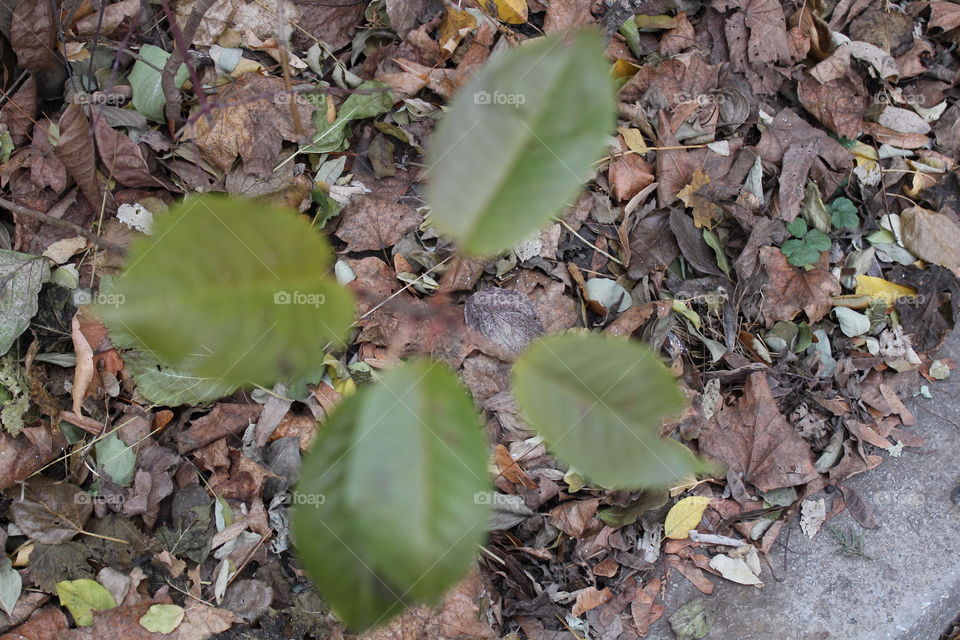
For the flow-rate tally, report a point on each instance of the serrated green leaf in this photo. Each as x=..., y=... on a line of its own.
x=519, y=141
x=162, y=618
x=145, y=81
x=798, y=227
x=817, y=240
x=10, y=586
x=843, y=213
x=116, y=459
x=805, y=256
x=232, y=290
x=170, y=388
x=386, y=512
x=82, y=597
x=21, y=276
x=791, y=246
x=599, y=402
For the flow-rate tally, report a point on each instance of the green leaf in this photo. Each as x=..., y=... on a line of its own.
x=21, y=276
x=162, y=618
x=599, y=402
x=519, y=141
x=145, y=77
x=386, y=512
x=817, y=240
x=232, y=290
x=713, y=241
x=170, y=388
x=843, y=213
x=798, y=227
x=116, y=459
x=372, y=99
x=14, y=396
x=10, y=586
x=81, y=597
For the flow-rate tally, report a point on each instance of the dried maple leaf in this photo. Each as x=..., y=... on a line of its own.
x=705, y=213
x=370, y=223
x=250, y=123
x=753, y=438
x=792, y=289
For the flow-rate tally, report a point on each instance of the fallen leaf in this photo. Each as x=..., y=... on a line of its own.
x=249, y=123
x=684, y=516
x=51, y=512
x=754, y=438
x=705, y=212
x=590, y=598
x=792, y=289
x=504, y=316
x=933, y=236
x=162, y=618
x=370, y=223
x=81, y=597
x=33, y=36
x=735, y=570
x=123, y=157
x=812, y=514
x=75, y=150
x=48, y=623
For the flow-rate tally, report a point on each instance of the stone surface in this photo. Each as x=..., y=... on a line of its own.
x=910, y=590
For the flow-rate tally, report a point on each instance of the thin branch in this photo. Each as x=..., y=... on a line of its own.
x=63, y=224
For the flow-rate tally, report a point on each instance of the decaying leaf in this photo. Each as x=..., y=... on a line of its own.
x=793, y=289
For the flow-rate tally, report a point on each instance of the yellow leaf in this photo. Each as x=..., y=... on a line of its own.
x=705, y=213
x=881, y=289
x=509, y=11
x=684, y=516
x=634, y=139
x=624, y=69
x=456, y=24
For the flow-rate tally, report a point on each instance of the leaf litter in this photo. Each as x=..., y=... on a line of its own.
x=777, y=217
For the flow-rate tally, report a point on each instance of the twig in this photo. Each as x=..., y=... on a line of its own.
x=181, y=40
x=63, y=224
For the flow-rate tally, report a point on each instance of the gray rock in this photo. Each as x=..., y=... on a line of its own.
x=909, y=590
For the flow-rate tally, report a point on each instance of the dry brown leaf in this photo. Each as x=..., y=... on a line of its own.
x=33, y=36
x=20, y=111
x=563, y=15
x=753, y=438
x=112, y=16
x=590, y=598
x=509, y=468
x=629, y=174
x=643, y=610
x=575, y=517
x=75, y=151
x=224, y=420
x=249, y=123
x=461, y=616
x=48, y=623
x=83, y=372
x=933, y=236
x=792, y=289
x=839, y=104
x=122, y=157
x=371, y=222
